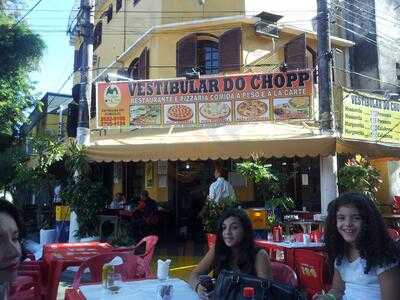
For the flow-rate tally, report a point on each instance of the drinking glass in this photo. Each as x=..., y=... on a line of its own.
x=114, y=282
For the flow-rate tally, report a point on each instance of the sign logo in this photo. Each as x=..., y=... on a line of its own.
x=112, y=95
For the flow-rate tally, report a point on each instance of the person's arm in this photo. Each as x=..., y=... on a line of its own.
x=203, y=268
x=337, y=290
x=263, y=265
x=211, y=191
x=389, y=283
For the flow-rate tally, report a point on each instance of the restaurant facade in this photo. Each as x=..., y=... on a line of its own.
x=219, y=91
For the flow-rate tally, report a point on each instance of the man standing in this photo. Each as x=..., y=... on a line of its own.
x=221, y=188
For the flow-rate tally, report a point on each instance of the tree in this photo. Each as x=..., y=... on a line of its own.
x=21, y=53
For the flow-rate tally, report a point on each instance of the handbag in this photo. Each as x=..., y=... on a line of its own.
x=230, y=284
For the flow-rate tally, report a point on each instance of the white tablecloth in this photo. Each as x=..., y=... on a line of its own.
x=297, y=244
x=140, y=290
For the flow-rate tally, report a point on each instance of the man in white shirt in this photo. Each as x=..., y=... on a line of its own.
x=220, y=188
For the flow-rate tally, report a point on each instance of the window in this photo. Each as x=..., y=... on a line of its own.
x=97, y=35
x=118, y=5
x=211, y=54
x=109, y=13
x=78, y=58
x=208, y=57
x=139, y=67
x=135, y=2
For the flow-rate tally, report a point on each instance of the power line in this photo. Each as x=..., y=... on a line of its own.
x=372, y=8
x=366, y=76
x=24, y=16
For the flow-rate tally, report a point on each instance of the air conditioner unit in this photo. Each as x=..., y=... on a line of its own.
x=267, y=29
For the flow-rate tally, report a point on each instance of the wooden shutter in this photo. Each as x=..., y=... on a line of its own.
x=72, y=118
x=230, y=50
x=295, y=53
x=76, y=92
x=186, y=54
x=143, y=64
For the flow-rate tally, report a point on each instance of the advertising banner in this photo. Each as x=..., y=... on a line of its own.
x=207, y=101
x=371, y=118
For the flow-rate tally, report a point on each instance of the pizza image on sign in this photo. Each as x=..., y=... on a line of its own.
x=179, y=113
x=215, y=110
x=252, y=108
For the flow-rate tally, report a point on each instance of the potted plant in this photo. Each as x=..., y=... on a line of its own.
x=270, y=186
x=212, y=211
x=359, y=175
x=85, y=196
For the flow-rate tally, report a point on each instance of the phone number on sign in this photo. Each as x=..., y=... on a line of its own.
x=113, y=121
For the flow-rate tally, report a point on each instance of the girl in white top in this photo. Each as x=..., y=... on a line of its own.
x=364, y=256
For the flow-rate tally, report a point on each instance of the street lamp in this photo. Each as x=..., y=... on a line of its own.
x=110, y=76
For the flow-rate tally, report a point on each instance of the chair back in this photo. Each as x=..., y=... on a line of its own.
x=298, y=237
x=284, y=274
x=133, y=267
x=311, y=268
x=394, y=234
x=25, y=287
x=151, y=242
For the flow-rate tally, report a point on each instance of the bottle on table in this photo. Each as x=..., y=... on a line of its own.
x=249, y=293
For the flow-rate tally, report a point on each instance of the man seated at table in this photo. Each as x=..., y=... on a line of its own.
x=118, y=201
x=146, y=214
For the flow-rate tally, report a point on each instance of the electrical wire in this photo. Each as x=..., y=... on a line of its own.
x=24, y=16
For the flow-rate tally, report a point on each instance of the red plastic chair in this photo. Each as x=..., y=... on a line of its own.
x=134, y=267
x=150, y=241
x=394, y=234
x=311, y=269
x=25, y=288
x=284, y=274
x=298, y=237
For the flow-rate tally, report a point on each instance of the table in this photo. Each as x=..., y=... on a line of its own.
x=58, y=257
x=138, y=290
x=288, y=249
x=393, y=217
x=306, y=224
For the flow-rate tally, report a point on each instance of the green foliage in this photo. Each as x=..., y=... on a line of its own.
x=87, y=199
x=358, y=175
x=213, y=211
x=35, y=176
x=13, y=162
x=270, y=184
x=125, y=236
x=76, y=162
x=85, y=196
x=21, y=52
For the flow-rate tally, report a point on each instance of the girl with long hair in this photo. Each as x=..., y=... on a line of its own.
x=234, y=250
x=362, y=255
x=10, y=247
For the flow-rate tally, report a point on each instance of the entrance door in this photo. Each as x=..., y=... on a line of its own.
x=193, y=179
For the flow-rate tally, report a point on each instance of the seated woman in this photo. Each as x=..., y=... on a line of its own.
x=118, y=202
x=364, y=257
x=234, y=250
x=10, y=247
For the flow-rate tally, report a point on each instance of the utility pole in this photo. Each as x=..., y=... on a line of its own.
x=328, y=164
x=87, y=21
x=324, y=66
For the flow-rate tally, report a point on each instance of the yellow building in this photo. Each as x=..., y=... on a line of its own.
x=169, y=39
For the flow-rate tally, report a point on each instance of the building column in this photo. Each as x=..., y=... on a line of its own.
x=329, y=188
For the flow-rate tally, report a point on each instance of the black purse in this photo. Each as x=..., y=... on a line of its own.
x=230, y=284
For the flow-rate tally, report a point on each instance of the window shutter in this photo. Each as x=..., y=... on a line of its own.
x=109, y=13
x=76, y=92
x=143, y=68
x=119, y=5
x=295, y=53
x=230, y=50
x=97, y=34
x=186, y=54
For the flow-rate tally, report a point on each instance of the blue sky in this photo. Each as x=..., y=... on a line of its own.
x=50, y=19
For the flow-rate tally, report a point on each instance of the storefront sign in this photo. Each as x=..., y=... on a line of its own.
x=372, y=118
x=205, y=101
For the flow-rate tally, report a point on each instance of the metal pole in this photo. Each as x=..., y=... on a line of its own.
x=82, y=134
x=324, y=66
